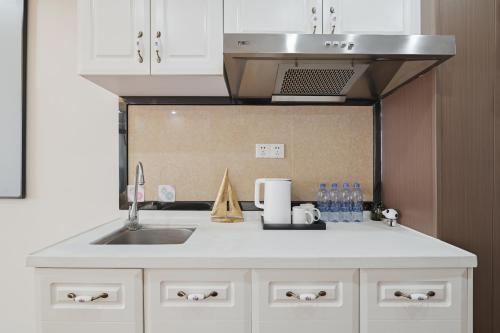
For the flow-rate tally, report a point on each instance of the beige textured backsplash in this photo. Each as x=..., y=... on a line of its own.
x=190, y=147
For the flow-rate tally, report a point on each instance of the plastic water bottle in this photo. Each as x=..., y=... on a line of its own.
x=345, y=204
x=323, y=202
x=357, y=203
x=334, y=203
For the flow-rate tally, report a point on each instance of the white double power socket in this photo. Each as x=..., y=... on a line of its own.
x=270, y=150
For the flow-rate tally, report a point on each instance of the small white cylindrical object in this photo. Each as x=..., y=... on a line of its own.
x=307, y=297
x=419, y=297
x=195, y=297
x=83, y=299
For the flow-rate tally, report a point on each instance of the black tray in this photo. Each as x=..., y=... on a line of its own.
x=319, y=225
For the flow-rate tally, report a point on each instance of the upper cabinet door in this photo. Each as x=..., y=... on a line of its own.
x=187, y=37
x=114, y=37
x=394, y=17
x=273, y=16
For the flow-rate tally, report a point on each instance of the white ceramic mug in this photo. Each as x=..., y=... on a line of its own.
x=315, y=211
x=302, y=216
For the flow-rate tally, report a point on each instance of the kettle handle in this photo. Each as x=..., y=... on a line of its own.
x=257, y=202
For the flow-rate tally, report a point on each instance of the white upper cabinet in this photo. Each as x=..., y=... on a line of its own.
x=175, y=47
x=114, y=36
x=395, y=17
x=273, y=16
x=170, y=37
x=187, y=37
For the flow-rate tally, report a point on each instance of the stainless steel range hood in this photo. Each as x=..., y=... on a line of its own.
x=327, y=68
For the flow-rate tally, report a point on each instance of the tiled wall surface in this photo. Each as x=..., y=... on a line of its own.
x=190, y=147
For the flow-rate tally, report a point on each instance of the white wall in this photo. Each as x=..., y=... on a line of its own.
x=72, y=152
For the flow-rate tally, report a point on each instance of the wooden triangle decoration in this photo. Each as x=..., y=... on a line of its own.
x=226, y=207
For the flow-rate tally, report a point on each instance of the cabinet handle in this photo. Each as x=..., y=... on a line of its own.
x=140, y=59
x=415, y=296
x=86, y=299
x=305, y=297
x=333, y=19
x=139, y=45
x=197, y=297
x=314, y=18
x=157, y=46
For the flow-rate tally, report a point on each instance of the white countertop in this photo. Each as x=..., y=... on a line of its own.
x=246, y=245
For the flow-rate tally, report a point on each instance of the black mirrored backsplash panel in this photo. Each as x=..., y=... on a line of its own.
x=160, y=114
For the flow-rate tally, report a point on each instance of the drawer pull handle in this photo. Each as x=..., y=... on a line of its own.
x=157, y=46
x=415, y=296
x=140, y=46
x=86, y=299
x=307, y=296
x=197, y=297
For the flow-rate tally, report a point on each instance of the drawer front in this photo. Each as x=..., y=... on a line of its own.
x=65, y=298
x=305, y=300
x=412, y=299
x=206, y=300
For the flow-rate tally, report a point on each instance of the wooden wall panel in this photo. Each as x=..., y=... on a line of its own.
x=428, y=16
x=409, y=155
x=466, y=105
x=496, y=217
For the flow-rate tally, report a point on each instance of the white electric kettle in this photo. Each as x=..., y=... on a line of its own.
x=277, y=199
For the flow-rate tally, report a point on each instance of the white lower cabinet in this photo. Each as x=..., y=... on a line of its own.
x=191, y=300
x=439, y=301
x=68, y=300
x=293, y=301
x=254, y=301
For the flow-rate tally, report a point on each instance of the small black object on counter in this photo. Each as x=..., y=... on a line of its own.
x=318, y=225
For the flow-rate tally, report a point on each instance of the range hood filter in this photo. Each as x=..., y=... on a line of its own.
x=307, y=81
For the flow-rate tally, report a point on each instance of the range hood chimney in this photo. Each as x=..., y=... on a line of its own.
x=292, y=68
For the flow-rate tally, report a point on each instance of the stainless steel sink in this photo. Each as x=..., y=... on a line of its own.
x=148, y=235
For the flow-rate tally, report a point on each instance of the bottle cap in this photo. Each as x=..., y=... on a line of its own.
x=346, y=185
x=356, y=185
x=322, y=186
x=335, y=186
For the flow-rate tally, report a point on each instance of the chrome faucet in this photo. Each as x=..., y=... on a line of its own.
x=133, y=217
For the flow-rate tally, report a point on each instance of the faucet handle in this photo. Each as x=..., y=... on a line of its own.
x=130, y=209
x=133, y=218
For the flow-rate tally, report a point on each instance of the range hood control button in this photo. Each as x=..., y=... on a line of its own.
x=343, y=44
x=350, y=45
x=335, y=44
x=328, y=43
